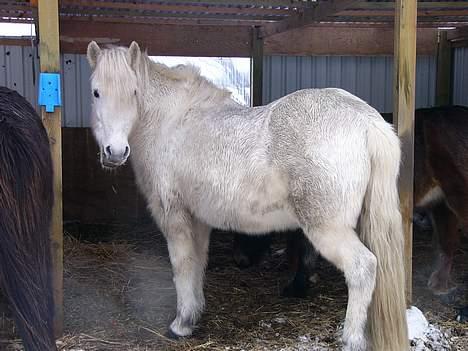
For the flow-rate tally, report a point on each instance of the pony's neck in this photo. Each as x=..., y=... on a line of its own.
x=172, y=92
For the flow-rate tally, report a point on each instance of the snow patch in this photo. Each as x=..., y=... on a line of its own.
x=417, y=323
x=423, y=335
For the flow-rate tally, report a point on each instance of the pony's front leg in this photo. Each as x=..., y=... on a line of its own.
x=187, y=241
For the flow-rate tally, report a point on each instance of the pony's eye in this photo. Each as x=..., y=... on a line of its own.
x=95, y=93
x=135, y=92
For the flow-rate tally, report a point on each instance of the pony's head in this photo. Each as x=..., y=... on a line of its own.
x=114, y=93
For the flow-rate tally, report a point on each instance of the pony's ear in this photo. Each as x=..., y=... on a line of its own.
x=134, y=54
x=93, y=53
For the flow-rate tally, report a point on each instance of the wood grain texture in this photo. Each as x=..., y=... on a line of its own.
x=404, y=102
x=49, y=52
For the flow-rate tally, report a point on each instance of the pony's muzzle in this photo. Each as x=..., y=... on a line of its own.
x=113, y=157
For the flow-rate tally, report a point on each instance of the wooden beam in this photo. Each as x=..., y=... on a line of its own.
x=156, y=21
x=50, y=62
x=308, y=16
x=257, y=68
x=421, y=5
x=391, y=13
x=243, y=3
x=459, y=34
x=160, y=40
x=124, y=13
x=165, y=6
x=344, y=40
x=231, y=41
x=404, y=97
x=444, y=71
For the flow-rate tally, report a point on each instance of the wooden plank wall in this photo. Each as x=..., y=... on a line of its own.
x=92, y=194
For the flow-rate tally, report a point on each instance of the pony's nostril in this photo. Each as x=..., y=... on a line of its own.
x=108, y=150
x=127, y=151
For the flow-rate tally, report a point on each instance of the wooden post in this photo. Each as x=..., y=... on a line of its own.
x=403, y=112
x=49, y=53
x=444, y=70
x=257, y=68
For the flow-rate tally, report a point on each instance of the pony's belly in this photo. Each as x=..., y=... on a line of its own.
x=276, y=220
x=250, y=219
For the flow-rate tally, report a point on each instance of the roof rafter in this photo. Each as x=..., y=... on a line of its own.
x=322, y=10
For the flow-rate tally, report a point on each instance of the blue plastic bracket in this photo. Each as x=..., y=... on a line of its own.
x=49, y=91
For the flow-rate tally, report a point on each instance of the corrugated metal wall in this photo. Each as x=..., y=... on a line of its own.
x=460, y=76
x=19, y=70
x=368, y=77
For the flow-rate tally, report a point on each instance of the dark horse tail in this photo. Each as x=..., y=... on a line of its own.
x=26, y=199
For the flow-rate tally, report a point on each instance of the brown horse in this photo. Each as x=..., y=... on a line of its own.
x=26, y=197
x=440, y=188
x=441, y=182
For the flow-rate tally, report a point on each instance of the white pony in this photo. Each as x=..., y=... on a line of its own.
x=319, y=159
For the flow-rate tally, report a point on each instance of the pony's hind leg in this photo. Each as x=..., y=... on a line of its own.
x=187, y=241
x=446, y=231
x=341, y=246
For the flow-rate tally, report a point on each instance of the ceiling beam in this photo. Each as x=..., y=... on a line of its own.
x=171, y=7
x=321, y=11
x=421, y=5
x=110, y=13
x=460, y=12
x=343, y=40
x=459, y=34
x=235, y=41
x=161, y=39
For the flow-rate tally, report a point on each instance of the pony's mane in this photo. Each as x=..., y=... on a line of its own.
x=113, y=62
x=113, y=65
x=188, y=74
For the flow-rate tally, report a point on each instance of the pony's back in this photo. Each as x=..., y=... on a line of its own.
x=26, y=199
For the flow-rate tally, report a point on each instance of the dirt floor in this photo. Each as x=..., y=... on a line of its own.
x=119, y=295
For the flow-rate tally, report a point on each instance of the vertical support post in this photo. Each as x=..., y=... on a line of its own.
x=49, y=53
x=257, y=68
x=403, y=112
x=444, y=70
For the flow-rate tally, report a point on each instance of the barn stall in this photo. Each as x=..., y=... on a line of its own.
x=117, y=287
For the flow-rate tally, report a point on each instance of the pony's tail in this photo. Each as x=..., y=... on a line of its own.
x=26, y=199
x=382, y=232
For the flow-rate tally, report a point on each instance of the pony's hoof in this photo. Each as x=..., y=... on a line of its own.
x=242, y=260
x=462, y=315
x=355, y=346
x=292, y=290
x=440, y=286
x=179, y=329
x=171, y=335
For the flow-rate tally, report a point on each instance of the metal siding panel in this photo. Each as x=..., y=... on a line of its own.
x=30, y=76
x=334, y=71
x=457, y=72
x=320, y=71
x=425, y=81
x=377, y=88
x=370, y=78
x=349, y=74
x=363, y=88
x=70, y=86
x=388, y=85
x=15, y=79
x=290, y=79
x=276, y=78
x=306, y=72
x=3, y=66
x=460, y=74
x=85, y=92
x=266, y=73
